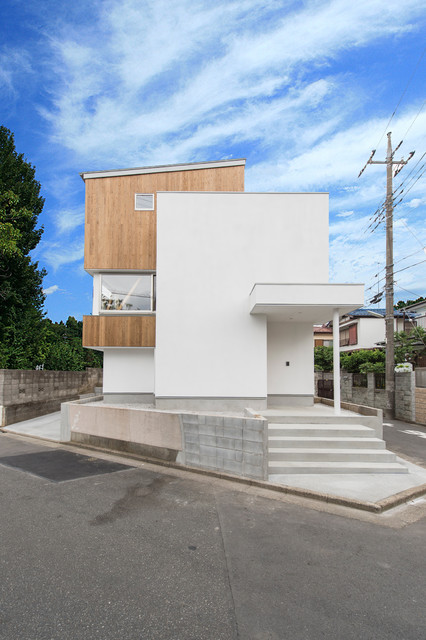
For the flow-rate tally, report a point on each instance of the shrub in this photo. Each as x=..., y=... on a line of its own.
x=372, y=367
x=323, y=358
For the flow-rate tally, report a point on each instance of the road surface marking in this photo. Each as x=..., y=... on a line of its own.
x=420, y=434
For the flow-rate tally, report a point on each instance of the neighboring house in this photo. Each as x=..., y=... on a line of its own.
x=204, y=296
x=323, y=336
x=419, y=311
x=365, y=328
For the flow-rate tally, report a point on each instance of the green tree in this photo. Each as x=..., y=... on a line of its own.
x=402, y=304
x=21, y=297
x=64, y=350
x=323, y=358
x=352, y=362
x=361, y=361
x=408, y=346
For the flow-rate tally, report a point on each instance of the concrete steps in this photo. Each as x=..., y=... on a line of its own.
x=334, y=467
x=326, y=442
x=331, y=455
x=321, y=430
x=337, y=447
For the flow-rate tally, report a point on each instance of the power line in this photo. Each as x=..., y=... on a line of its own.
x=378, y=215
x=398, y=271
x=397, y=262
x=419, y=112
x=412, y=233
x=402, y=96
x=410, y=266
x=406, y=290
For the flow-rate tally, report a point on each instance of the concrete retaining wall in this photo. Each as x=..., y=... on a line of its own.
x=26, y=394
x=229, y=444
x=233, y=445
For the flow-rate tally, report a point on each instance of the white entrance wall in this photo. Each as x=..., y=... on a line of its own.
x=211, y=249
x=128, y=370
x=290, y=343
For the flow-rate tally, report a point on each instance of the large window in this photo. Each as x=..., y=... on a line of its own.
x=127, y=293
x=349, y=336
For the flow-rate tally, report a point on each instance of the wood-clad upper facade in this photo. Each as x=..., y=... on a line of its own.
x=120, y=238
x=117, y=236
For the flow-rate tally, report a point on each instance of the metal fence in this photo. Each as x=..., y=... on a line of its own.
x=360, y=380
x=379, y=381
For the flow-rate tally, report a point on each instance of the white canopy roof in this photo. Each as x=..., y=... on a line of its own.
x=301, y=302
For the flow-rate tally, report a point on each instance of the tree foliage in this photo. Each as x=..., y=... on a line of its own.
x=408, y=346
x=323, y=358
x=21, y=295
x=351, y=362
x=402, y=304
x=27, y=339
x=65, y=351
x=372, y=367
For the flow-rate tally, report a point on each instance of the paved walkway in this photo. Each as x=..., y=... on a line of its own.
x=47, y=427
x=367, y=488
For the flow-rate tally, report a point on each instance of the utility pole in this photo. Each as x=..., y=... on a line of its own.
x=390, y=342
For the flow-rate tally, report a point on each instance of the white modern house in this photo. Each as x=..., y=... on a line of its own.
x=223, y=317
x=204, y=302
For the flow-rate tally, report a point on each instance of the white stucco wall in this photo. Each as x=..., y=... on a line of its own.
x=128, y=370
x=211, y=249
x=370, y=331
x=292, y=343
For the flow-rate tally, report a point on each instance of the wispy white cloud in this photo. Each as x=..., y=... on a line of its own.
x=52, y=289
x=13, y=64
x=416, y=202
x=67, y=220
x=154, y=76
x=57, y=254
x=292, y=85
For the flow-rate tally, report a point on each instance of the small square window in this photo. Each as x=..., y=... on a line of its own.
x=144, y=202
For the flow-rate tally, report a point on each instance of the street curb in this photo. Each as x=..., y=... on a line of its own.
x=373, y=507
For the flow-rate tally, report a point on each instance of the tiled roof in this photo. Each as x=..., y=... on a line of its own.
x=373, y=313
x=323, y=329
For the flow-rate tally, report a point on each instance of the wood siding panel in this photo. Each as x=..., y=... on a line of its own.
x=119, y=331
x=117, y=236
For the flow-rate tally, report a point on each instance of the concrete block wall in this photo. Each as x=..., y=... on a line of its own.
x=405, y=396
x=408, y=399
x=26, y=394
x=367, y=396
x=229, y=444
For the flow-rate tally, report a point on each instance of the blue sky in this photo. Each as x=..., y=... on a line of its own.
x=302, y=90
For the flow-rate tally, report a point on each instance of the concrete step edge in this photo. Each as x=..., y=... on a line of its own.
x=315, y=450
x=295, y=441
x=335, y=467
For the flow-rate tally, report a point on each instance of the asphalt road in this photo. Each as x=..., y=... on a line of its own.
x=407, y=440
x=147, y=552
